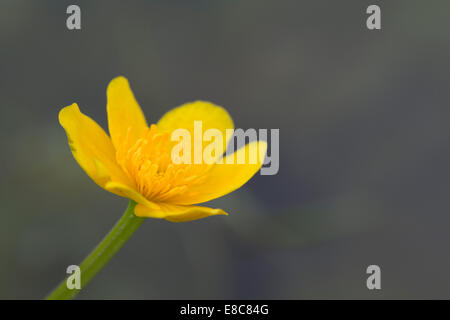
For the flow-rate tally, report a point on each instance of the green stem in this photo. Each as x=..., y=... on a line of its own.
x=104, y=251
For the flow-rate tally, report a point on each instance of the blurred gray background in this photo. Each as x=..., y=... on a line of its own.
x=364, y=146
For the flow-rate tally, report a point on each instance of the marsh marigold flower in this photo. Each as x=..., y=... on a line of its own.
x=135, y=161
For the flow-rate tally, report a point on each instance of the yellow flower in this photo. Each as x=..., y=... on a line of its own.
x=135, y=160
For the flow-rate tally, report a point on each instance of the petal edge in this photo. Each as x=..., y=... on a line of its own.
x=176, y=213
x=90, y=146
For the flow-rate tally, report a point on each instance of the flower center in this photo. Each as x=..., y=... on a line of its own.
x=148, y=163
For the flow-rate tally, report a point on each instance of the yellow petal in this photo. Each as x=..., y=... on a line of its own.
x=91, y=146
x=125, y=117
x=176, y=213
x=210, y=115
x=130, y=193
x=224, y=178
